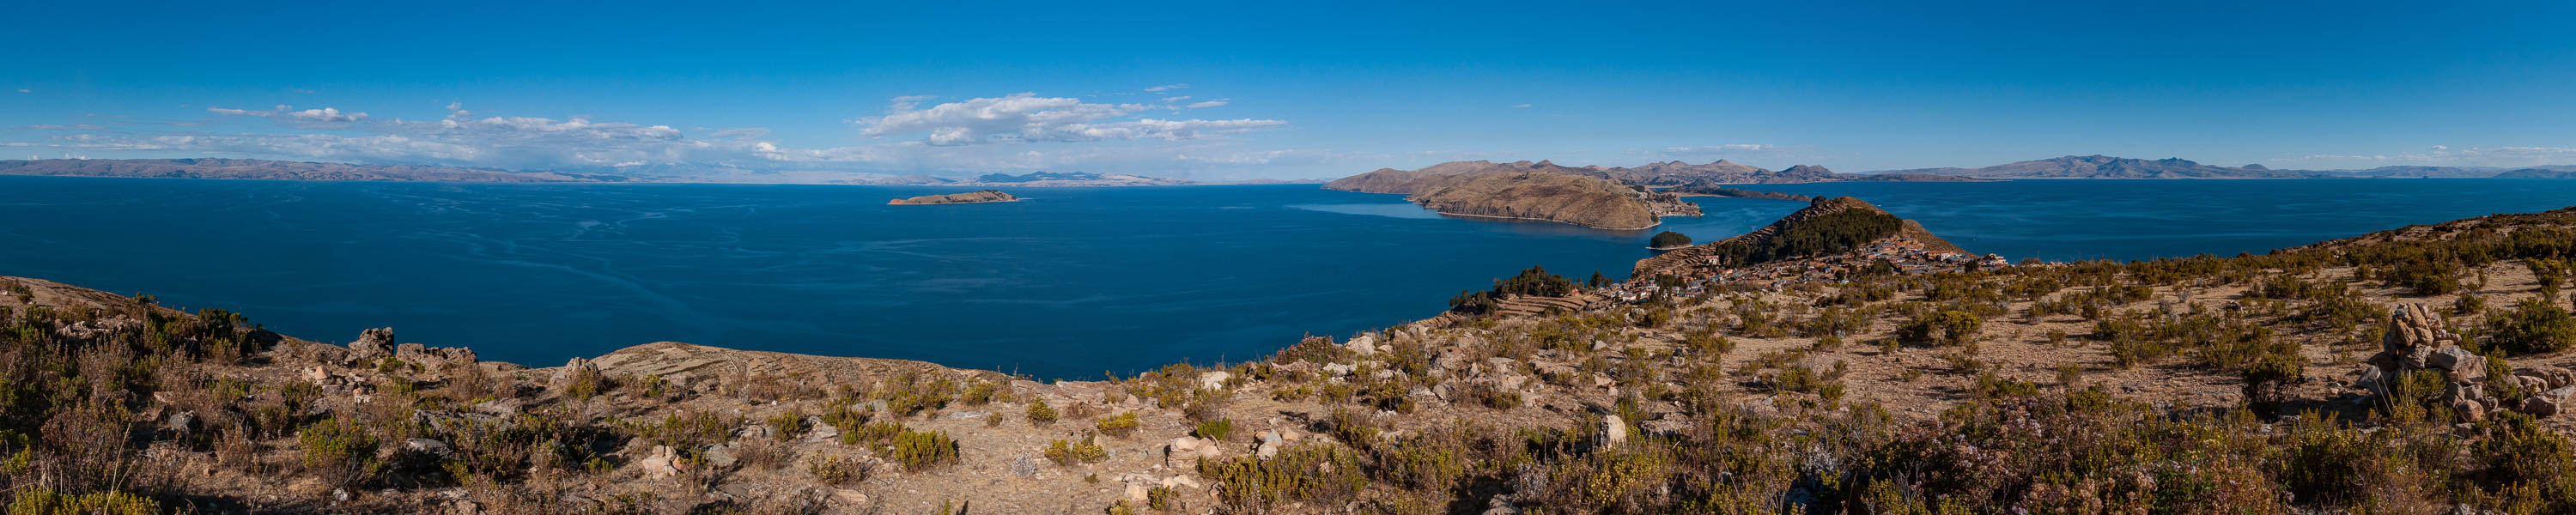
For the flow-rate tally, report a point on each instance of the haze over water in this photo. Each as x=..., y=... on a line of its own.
x=1069, y=283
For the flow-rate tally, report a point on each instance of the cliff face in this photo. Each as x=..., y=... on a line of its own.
x=1573, y=199
x=970, y=197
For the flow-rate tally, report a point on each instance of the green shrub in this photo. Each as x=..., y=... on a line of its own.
x=1069, y=453
x=38, y=500
x=835, y=469
x=1214, y=429
x=1041, y=413
x=340, y=450
x=923, y=450
x=2533, y=326
x=1120, y=425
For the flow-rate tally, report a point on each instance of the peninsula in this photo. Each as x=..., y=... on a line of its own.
x=1531, y=191
x=971, y=197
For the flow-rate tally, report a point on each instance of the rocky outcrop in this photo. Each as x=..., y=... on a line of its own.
x=2418, y=342
x=971, y=197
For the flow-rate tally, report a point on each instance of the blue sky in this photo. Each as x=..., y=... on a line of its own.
x=1221, y=91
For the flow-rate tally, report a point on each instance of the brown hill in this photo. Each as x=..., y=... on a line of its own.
x=1574, y=199
x=1828, y=225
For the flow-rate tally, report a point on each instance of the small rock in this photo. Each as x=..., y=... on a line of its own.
x=1614, y=432
x=661, y=463
x=181, y=423
x=1214, y=380
x=427, y=447
x=846, y=497
x=721, y=455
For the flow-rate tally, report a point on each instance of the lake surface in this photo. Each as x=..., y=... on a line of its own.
x=1069, y=283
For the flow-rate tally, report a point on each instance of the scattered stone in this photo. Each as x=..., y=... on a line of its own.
x=1614, y=432
x=1214, y=380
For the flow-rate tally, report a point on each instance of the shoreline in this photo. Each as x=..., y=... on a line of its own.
x=900, y=202
x=1659, y=220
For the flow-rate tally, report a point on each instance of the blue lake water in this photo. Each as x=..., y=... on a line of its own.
x=1070, y=283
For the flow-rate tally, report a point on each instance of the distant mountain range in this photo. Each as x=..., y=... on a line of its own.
x=218, y=168
x=1031, y=179
x=2107, y=167
x=1676, y=174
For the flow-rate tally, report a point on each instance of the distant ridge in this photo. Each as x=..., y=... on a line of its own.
x=1670, y=173
x=1031, y=179
x=2107, y=167
x=221, y=168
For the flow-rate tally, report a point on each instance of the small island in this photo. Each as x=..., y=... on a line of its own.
x=1668, y=240
x=972, y=197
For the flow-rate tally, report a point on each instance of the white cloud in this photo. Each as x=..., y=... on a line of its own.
x=283, y=111
x=1207, y=104
x=1518, y=106
x=25, y=90
x=1166, y=87
x=1026, y=117
x=1174, y=100
x=1015, y=133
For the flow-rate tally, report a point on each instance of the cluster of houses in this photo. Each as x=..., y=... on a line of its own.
x=1905, y=255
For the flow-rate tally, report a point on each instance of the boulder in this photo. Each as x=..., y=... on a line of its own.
x=372, y=344
x=1214, y=380
x=571, y=373
x=1614, y=432
x=2469, y=410
x=2548, y=403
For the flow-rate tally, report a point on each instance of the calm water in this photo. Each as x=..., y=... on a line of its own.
x=1070, y=283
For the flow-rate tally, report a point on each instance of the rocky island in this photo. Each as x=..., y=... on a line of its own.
x=971, y=197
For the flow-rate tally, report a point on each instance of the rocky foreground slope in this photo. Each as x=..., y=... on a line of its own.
x=2329, y=379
